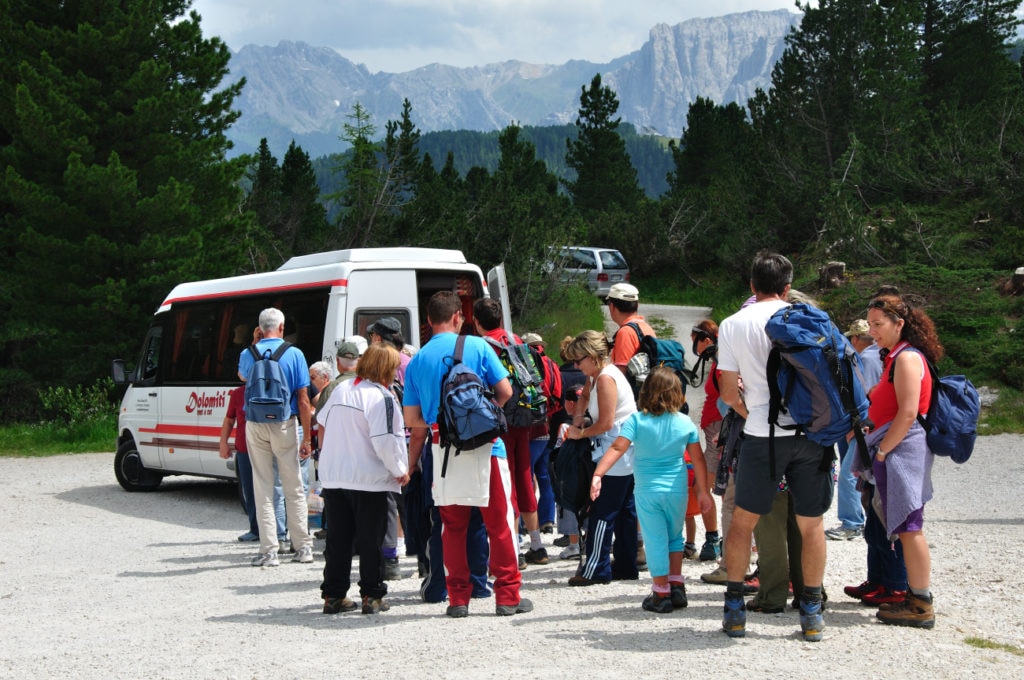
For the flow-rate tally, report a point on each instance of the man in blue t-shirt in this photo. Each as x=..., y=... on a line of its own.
x=423, y=378
x=279, y=441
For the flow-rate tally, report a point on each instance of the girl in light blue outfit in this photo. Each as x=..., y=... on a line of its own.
x=660, y=436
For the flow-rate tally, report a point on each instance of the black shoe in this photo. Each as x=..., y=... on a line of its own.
x=523, y=607
x=659, y=604
x=561, y=541
x=392, y=572
x=584, y=581
x=522, y=562
x=538, y=556
x=679, y=595
x=547, y=528
x=761, y=609
x=458, y=611
x=337, y=605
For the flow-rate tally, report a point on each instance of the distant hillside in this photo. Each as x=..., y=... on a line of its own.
x=301, y=92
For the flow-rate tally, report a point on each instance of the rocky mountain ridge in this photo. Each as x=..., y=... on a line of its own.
x=298, y=91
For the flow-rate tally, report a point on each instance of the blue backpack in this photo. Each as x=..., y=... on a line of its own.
x=268, y=398
x=815, y=376
x=658, y=352
x=951, y=425
x=467, y=415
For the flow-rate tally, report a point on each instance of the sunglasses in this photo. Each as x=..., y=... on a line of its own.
x=886, y=308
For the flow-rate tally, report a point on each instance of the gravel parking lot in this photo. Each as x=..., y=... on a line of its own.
x=99, y=583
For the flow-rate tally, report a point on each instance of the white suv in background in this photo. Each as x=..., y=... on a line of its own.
x=601, y=268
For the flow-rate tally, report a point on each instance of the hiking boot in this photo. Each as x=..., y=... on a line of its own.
x=689, y=551
x=711, y=550
x=524, y=607
x=858, y=592
x=457, y=611
x=337, y=605
x=718, y=577
x=659, y=604
x=570, y=552
x=914, y=611
x=678, y=595
x=812, y=623
x=304, y=555
x=267, y=559
x=884, y=596
x=561, y=541
x=841, y=533
x=522, y=562
x=374, y=605
x=734, y=621
x=584, y=581
x=392, y=572
x=538, y=556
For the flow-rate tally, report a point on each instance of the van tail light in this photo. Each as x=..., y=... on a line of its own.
x=602, y=277
x=626, y=278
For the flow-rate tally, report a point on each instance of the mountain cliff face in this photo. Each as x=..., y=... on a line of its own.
x=297, y=91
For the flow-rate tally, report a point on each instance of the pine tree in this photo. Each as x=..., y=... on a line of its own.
x=604, y=174
x=112, y=123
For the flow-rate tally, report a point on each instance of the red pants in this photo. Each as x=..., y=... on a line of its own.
x=504, y=547
x=517, y=446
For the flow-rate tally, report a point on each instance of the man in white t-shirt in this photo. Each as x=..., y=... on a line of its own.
x=743, y=348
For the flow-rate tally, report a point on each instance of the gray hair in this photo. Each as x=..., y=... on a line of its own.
x=271, y=319
x=322, y=369
x=346, y=364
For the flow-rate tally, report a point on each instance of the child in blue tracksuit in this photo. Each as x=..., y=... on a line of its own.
x=661, y=436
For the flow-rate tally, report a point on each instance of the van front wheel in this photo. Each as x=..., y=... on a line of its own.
x=131, y=474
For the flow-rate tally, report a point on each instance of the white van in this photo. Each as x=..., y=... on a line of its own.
x=177, y=394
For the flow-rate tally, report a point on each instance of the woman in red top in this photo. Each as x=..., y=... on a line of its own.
x=705, y=342
x=902, y=463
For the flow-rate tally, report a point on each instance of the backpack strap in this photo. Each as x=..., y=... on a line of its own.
x=639, y=333
x=281, y=349
x=935, y=381
x=460, y=343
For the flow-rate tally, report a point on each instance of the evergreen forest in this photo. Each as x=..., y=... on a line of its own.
x=891, y=138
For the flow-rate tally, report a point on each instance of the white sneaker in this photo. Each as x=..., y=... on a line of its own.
x=267, y=559
x=570, y=552
x=304, y=555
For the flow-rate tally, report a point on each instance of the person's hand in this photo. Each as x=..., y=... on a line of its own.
x=595, y=488
x=706, y=503
x=403, y=480
x=574, y=433
x=225, y=453
x=305, y=450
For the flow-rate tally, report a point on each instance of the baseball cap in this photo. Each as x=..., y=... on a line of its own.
x=624, y=291
x=348, y=350
x=858, y=327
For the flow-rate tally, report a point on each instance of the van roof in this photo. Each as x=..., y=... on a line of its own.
x=375, y=255
x=330, y=269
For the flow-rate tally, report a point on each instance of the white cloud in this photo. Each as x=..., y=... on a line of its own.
x=400, y=35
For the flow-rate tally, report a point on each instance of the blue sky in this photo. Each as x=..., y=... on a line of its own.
x=400, y=35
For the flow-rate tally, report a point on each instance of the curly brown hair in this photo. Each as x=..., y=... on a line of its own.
x=918, y=328
x=662, y=392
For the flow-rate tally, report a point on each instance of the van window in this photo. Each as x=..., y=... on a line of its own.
x=612, y=259
x=148, y=370
x=206, y=338
x=365, y=317
x=582, y=259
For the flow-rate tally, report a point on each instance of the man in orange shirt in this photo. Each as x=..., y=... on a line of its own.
x=623, y=301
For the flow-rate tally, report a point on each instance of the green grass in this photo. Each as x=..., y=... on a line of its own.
x=982, y=643
x=723, y=297
x=567, y=311
x=53, y=438
x=1006, y=415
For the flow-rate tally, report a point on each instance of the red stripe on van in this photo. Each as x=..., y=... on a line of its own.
x=194, y=430
x=257, y=291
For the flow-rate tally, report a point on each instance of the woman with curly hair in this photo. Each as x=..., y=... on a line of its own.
x=902, y=463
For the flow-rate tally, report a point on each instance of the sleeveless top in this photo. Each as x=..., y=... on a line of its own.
x=884, y=406
x=625, y=406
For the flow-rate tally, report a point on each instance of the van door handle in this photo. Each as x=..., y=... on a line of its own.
x=152, y=394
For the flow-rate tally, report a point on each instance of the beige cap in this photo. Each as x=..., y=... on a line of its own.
x=624, y=291
x=858, y=327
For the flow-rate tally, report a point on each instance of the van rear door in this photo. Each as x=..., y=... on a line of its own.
x=497, y=288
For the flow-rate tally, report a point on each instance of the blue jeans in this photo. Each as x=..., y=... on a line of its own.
x=851, y=512
x=244, y=469
x=540, y=455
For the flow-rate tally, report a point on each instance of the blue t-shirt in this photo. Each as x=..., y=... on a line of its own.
x=659, y=444
x=293, y=365
x=427, y=369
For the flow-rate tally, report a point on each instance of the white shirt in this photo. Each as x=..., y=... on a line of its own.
x=743, y=347
x=364, y=443
x=625, y=406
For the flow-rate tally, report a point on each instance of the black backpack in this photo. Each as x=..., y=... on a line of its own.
x=572, y=466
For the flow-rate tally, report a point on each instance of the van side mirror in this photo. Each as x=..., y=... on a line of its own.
x=118, y=373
